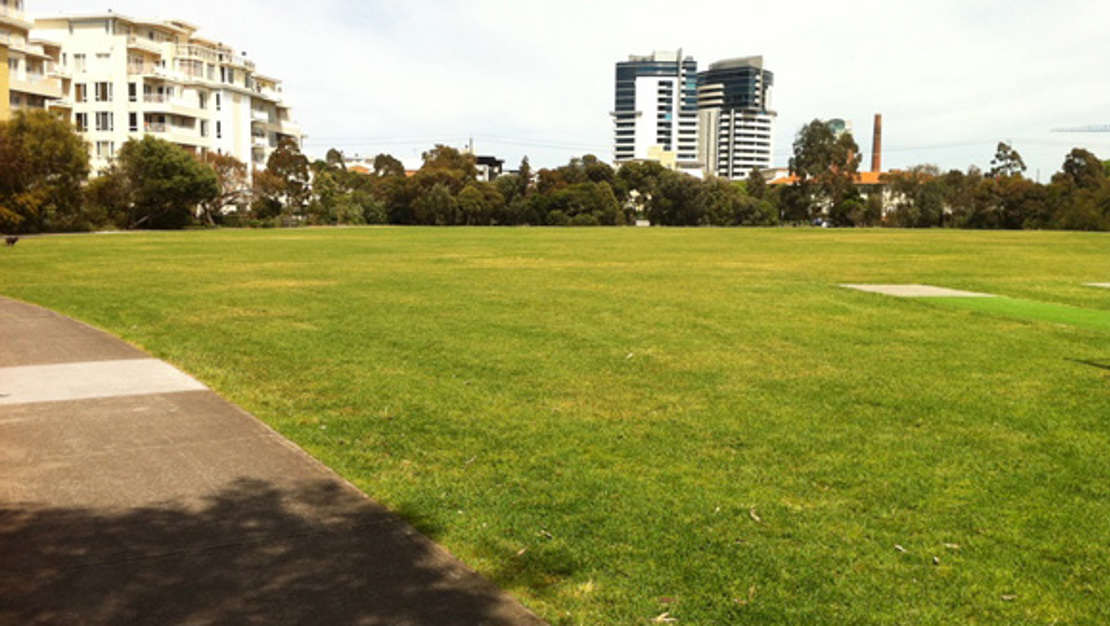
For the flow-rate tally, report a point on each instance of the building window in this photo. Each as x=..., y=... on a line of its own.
x=204, y=128
x=81, y=120
x=219, y=130
x=80, y=63
x=104, y=121
x=202, y=100
x=133, y=92
x=81, y=92
x=219, y=103
x=133, y=122
x=103, y=92
x=105, y=149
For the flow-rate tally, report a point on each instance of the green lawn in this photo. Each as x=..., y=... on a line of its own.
x=613, y=424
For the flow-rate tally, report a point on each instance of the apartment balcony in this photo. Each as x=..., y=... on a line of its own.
x=15, y=17
x=174, y=134
x=13, y=42
x=62, y=104
x=57, y=70
x=200, y=53
x=260, y=116
x=159, y=103
x=37, y=85
x=134, y=42
x=270, y=95
x=289, y=128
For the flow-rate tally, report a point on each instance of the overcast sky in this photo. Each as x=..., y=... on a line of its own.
x=951, y=77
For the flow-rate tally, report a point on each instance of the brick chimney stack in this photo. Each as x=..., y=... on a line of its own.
x=877, y=147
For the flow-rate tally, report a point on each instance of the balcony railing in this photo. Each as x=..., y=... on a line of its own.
x=15, y=16
x=36, y=84
x=135, y=41
x=154, y=127
x=58, y=70
x=193, y=51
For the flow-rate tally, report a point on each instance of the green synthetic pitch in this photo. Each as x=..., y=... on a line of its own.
x=614, y=424
x=1034, y=311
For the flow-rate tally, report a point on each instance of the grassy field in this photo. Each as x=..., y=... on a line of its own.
x=616, y=424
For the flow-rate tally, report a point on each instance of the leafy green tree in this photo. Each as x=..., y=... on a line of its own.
x=918, y=197
x=1081, y=170
x=43, y=163
x=1006, y=162
x=446, y=158
x=827, y=167
x=597, y=171
x=525, y=180
x=756, y=184
x=267, y=193
x=234, y=187
x=678, y=201
x=164, y=184
x=637, y=183
x=436, y=207
x=335, y=160
x=479, y=202
x=291, y=167
x=386, y=165
x=873, y=210
x=1013, y=201
x=966, y=196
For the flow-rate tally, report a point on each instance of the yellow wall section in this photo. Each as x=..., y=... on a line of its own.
x=5, y=93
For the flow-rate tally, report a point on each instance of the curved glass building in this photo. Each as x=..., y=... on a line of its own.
x=734, y=112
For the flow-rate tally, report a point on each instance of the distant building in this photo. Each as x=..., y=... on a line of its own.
x=30, y=75
x=735, y=118
x=489, y=168
x=839, y=127
x=656, y=111
x=133, y=77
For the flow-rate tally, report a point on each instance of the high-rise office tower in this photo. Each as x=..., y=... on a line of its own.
x=656, y=113
x=735, y=117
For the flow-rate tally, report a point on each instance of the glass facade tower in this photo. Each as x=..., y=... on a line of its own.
x=734, y=112
x=656, y=110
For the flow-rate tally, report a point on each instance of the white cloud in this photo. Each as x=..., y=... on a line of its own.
x=951, y=77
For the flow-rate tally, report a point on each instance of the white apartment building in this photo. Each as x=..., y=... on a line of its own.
x=656, y=112
x=735, y=117
x=30, y=77
x=127, y=78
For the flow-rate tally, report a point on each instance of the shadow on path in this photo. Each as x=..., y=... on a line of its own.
x=252, y=553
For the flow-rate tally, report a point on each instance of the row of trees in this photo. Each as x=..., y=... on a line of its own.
x=446, y=191
x=44, y=187
x=826, y=167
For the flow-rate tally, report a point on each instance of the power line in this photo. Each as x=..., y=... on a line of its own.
x=544, y=144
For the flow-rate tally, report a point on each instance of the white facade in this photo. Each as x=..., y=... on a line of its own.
x=655, y=117
x=735, y=142
x=29, y=74
x=131, y=78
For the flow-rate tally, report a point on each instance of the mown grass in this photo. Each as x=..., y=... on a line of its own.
x=614, y=424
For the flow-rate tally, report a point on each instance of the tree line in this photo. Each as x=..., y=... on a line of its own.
x=153, y=184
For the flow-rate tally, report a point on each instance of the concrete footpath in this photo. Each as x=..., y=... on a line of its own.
x=131, y=494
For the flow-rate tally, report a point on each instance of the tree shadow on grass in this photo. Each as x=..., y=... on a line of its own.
x=1103, y=365
x=253, y=553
